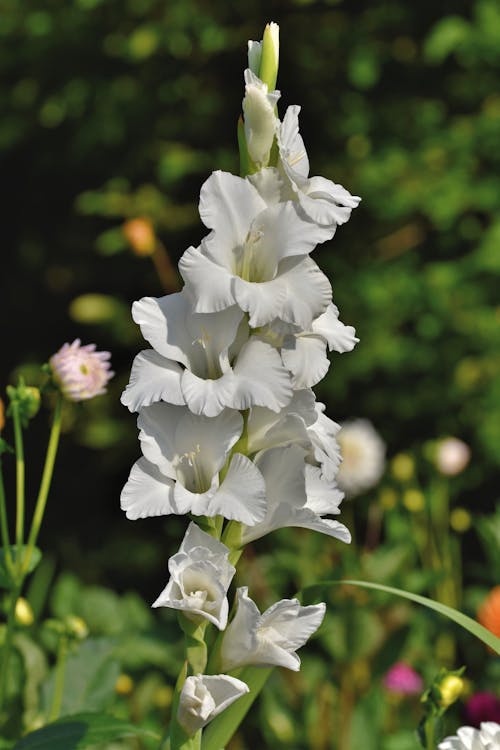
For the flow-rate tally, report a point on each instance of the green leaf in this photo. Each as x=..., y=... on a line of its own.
x=6, y=581
x=221, y=729
x=80, y=731
x=464, y=621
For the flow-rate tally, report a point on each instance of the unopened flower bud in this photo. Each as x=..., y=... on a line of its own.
x=269, y=61
x=450, y=688
x=27, y=400
x=80, y=372
x=141, y=236
x=23, y=612
x=452, y=456
x=76, y=627
x=124, y=685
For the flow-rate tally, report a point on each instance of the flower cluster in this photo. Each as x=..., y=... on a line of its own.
x=230, y=430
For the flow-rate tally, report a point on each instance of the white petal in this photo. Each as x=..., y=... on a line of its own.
x=228, y=204
x=268, y=183
x=339, y=337
x=326, y=202
x=323, y=497
x=208, y=282
x=196, y=537
x=268, y=429
x=152, y=378
x=305, y=357
x=308, y=291
x=260, y=120
x=240, y=639
x=307, y=519
x=148, y=493
x=293, y=622
x=168, y=338
x=205, y=696
x=260, y=378
x=157, y=424
x=263, y=301
x=287, y=232
x=242, y=494
x=208, y=397
x=291, y=142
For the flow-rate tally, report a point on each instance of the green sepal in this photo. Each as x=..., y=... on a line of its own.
x=8, y=578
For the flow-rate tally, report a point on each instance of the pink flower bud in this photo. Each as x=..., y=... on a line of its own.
x=80, y=371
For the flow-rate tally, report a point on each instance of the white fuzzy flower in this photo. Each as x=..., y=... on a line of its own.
x=467, y=738
x=296, y=495
x=179, y=472
x=203, y=697
x=363, y=456
x=200, y=574
x=452, y=456
x=322, y=200
x=259, y=110
x=270, y=639
x=81, y=372
x=257, y=256
x=206, y=361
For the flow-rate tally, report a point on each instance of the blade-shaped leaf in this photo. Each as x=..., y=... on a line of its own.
x=80, y=731
x=484, y=635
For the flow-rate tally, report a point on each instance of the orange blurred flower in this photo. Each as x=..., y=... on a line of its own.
x=140, y=235
x=488, y=613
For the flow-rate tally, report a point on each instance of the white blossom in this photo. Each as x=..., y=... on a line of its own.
x=363, y=456
x=203, y=697
x=296, y=495
x=271, y=638
x=207, y=361
x=256, y=256
x=200, y=574
x=452, y=456
x=468, y=738
x=322, y=200
x=179, y=472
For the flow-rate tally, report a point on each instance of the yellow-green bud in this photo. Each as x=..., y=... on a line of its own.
x=26, y=399
x=450, y=688
x=460, y=520
x=76, y=627
x=402, y=467
x=124, y=685
x=269, y=60
x=23, y=612
x=414, y=501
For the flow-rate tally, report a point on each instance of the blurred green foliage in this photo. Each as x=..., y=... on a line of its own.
x=118, y=109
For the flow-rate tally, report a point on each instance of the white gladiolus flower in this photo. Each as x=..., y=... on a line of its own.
x=363, y=456
x=179, y=472
x=322, y=200
x=203, y=697
x=296, y=496
x=200, y=574
x=257, y=256
x=468, y=738
x=206, y=361
x=270, y=639
x=259, y=110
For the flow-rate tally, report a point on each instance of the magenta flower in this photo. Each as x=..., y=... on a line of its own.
x=402, y=679
x=80, y=371
x=482, y=707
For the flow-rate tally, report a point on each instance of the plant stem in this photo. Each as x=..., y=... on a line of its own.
x=18, y=441
x=7, y=644
x=45, y=483
x=60, y=673
x=4, y=525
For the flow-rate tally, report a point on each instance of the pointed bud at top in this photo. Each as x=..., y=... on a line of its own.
x=79, y=371
x=269, y=61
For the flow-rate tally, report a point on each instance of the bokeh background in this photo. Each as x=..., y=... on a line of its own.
x=113, y=110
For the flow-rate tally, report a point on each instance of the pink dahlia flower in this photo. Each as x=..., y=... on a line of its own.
x=80, y=371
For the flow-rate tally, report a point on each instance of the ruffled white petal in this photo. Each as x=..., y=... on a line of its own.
x=268, y=429
x=208, y=282
x=305, y=357
x=148, y=493
x=208, y=397
x=338, y=336
x=203, y=697
x=162, y=323
x=153, y=378
x=291, y=143
x=323, y=497
x=242, y=494
x=268, y=183
x=260, y=378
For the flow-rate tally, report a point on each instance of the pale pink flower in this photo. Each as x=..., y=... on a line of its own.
x=402, y=679
x=452, y=456
x=80, y=371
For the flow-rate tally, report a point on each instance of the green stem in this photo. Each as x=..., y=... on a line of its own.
x=43, y=492
x=7, y=645
x=60, y=673
x=4, y=525
x=18, y=441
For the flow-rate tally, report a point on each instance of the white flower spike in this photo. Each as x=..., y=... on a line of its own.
x=200, y=574
x=270, y=639
x=468, y=738
x=203, y=697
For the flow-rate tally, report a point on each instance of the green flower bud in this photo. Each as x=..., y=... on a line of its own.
x=269, y=61
x=26, y=400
